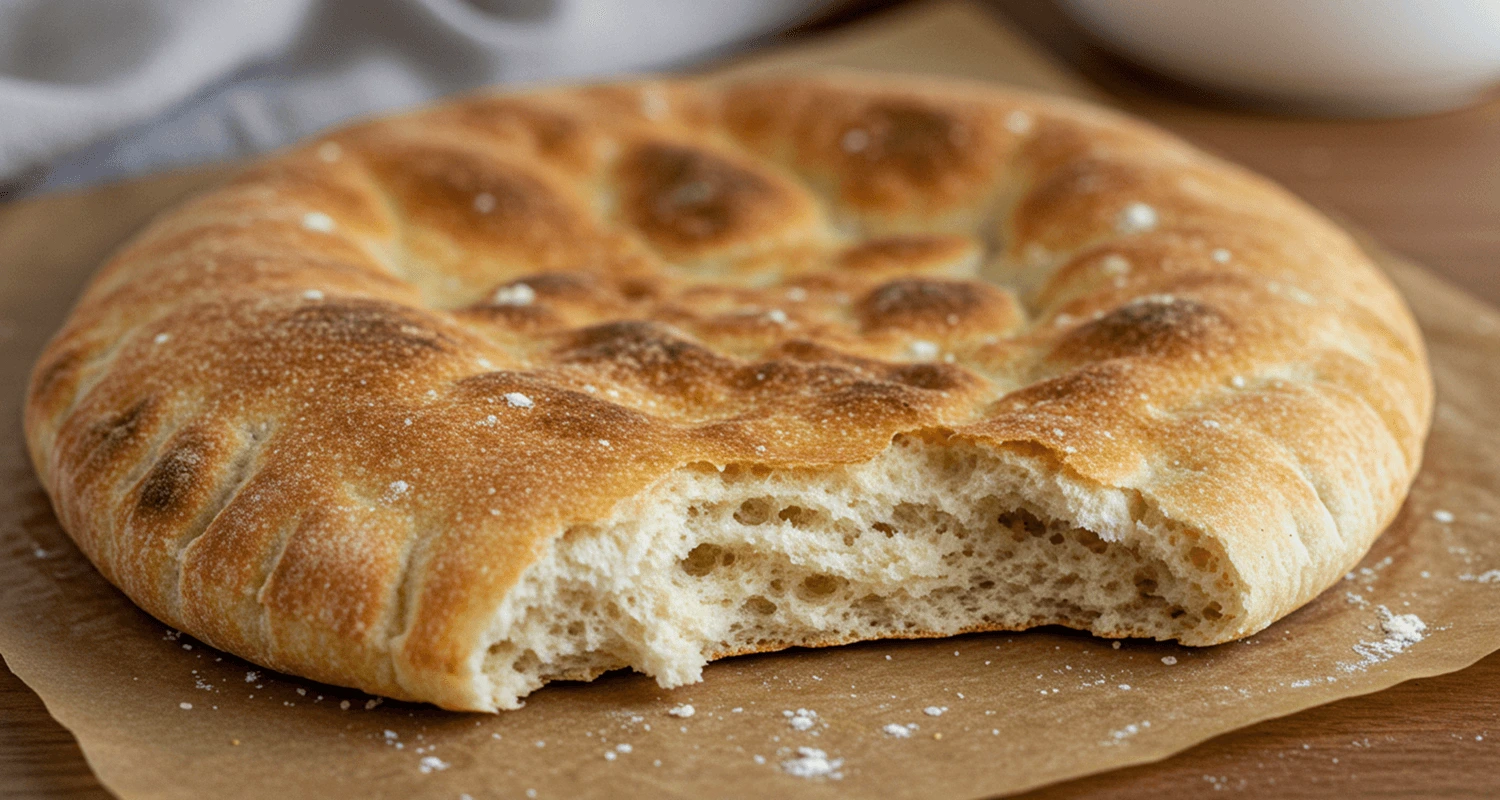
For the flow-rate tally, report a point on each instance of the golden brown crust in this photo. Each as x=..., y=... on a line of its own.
x=326, y=415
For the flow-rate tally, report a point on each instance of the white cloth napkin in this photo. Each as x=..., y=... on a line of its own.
x=98, y=89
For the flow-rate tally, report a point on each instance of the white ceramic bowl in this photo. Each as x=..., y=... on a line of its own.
x=1361, y=57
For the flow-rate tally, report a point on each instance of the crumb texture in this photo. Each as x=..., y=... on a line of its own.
x=530, y=386
x=921, y=541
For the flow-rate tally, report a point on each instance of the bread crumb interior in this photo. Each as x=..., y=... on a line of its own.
x=927, y=540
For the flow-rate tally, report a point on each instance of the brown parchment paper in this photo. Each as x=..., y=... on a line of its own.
x=160, y=715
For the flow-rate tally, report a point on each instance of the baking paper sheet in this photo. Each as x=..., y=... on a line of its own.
x=160, y=715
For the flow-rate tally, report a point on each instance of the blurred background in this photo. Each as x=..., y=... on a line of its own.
x=1382, y=112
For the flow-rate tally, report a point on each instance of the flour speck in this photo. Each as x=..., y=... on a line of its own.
x=855, y=140
x=516, y=294
x=518, y=400
x=1401, y=632
x=318, y=222
x=897, y=731
x=1136, y=218
x=813, y=763
x=802, y=719
x=923, y=350
x=1018, y=122
x=1126, y=732
x=683, y=711
x=1115, y=264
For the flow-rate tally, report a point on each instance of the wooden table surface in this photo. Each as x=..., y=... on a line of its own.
x=1428, y=188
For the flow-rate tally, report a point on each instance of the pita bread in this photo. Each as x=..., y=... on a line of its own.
x=534, y=386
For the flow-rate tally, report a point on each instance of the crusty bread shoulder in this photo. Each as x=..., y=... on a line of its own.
x=533, y=386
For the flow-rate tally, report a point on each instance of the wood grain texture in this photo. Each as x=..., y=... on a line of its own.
x=1437, y=737
x=1425, y=187
x=38, y=757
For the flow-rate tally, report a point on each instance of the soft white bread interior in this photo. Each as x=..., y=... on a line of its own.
x=925, y=540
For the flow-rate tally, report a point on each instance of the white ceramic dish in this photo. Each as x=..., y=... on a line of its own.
x=1360, y=57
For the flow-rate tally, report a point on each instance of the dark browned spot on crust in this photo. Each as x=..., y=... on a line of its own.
x=58, y=371
x=920, y=304
x=111, y=433
x=638, y=344
x=901, y=150
x=782, y=378
x=365, y=329
x=639, y=289
x=934, y=377
x=437, y=188
x=1155, y=326
x=688, y=199
x=813, y=352
x=907, y=254
x=171, y=481
x=649, y=352
x=918, y=140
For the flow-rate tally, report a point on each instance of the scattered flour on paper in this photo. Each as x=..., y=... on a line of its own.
x=1116, y=737
x=813, y=763
x=899, y=731
x=1492, y=576
x=802, y=719
x=1401, y=632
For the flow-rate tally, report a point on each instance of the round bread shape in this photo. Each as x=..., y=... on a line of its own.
x=533, y=386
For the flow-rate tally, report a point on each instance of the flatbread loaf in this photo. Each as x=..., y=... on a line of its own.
x=527, y=387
